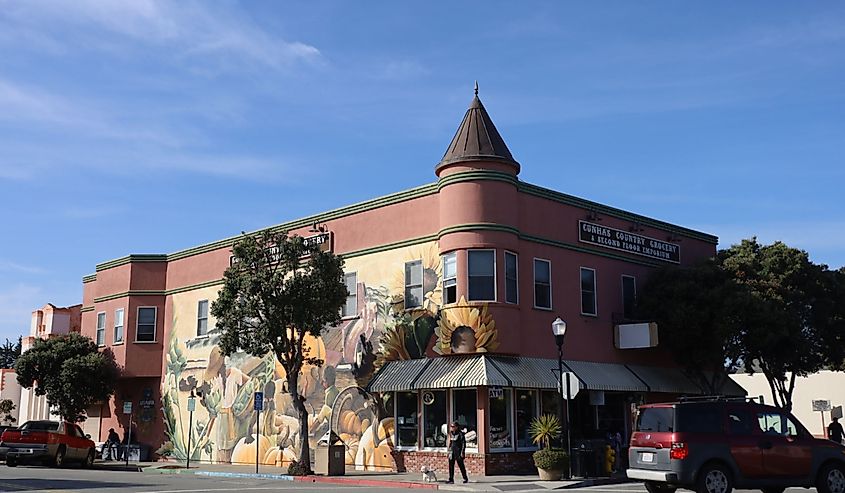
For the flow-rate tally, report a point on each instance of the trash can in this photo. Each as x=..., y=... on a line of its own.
x=581, y=465
x=330, y=455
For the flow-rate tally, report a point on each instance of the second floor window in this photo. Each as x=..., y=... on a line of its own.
x=350, y=309
x=542, y=284
x=101, y=329
x=450, y=278
x=145, y=330
x=413, y=284
x=629, y=295
x=202, y=317
x=511, y=278
x=118, y=325
x=588, y=291
x=482, y=275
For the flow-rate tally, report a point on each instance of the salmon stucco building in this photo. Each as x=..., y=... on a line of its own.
x=453, y=287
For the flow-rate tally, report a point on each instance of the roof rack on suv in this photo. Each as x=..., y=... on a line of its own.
x=726, y=398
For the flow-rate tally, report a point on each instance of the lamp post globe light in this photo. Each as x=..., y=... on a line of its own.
x=559, y=331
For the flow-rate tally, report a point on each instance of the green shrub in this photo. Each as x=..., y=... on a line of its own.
x=551, y=459
x=297, y=469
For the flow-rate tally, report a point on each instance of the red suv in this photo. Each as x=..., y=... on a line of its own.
x=714, y=445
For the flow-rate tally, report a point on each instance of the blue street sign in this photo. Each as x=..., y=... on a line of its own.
x=259, y=401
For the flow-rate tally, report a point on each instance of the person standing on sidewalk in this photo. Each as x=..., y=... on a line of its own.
x=457, y=450
x=834, y=431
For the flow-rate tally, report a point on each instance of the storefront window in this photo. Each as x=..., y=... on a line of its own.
x=435, y=418
x=407, y=423
x=526, y=410
x=466, y=414
x=500, y=418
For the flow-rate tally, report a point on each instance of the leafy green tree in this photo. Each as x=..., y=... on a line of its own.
x=70, y=371
x=698, y=311
x=796, y=326
x=6, y=408
x=278, y=290
x=9, y=353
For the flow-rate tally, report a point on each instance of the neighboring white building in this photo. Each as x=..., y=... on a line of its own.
x=824, y=385
x=9, y=389
x=47, y=321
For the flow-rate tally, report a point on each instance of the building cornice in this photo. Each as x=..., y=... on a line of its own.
x=89, y=278
x=415, y=193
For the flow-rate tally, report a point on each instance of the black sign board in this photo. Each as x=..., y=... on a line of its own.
x=616, y=239
x=322, y=241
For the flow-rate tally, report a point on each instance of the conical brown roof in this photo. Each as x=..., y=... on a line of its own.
x=477, y=139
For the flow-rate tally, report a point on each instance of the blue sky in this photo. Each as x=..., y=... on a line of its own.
x=148, y=126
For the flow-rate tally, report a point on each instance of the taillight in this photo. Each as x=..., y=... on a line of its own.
x=679, y=451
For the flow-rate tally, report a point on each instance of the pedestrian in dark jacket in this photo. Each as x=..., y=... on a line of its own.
x=457, y=450
x=834, y=431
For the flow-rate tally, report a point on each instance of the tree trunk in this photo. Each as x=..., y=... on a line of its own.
x=302, y=415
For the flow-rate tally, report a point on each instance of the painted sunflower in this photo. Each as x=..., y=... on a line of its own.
x=465, y=328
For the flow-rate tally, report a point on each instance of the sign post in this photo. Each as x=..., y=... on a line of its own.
x=258, y=406
x=127, y=409
x=822, y=406
x=192, y=405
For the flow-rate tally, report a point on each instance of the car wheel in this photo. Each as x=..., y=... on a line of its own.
x=59, y=459
x=831, y=479
x=11, y=462
x=89, y=459
x=714, y=478
x=656, y=487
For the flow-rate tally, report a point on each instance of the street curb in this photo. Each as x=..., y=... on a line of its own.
x=304, y=479
x=596, y=482
x=367, y=482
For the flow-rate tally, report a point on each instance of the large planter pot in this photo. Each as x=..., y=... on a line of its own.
x=549, y=474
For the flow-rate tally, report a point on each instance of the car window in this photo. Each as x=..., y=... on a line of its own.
x=79, y=432
x=40, y=426
x=792, y=428
x=740, y=422
x=71, y=430
x=659, y=419
x=698, y=418
x=771, y=423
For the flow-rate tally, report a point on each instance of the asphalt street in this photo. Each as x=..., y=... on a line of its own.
x=41, y=479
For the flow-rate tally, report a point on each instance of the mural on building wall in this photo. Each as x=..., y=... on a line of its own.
x=224, y=423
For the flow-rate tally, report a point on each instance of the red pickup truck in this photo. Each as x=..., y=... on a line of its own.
x=50, y=442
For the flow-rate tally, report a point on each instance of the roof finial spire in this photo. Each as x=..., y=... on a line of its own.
x=476, y=88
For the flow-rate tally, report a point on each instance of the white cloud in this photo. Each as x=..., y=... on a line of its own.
x=186, y=29
x=16, y=305
x=9, y=266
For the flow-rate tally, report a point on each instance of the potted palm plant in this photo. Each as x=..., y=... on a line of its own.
x=550, y=462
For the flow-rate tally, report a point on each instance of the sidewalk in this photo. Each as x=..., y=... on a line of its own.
x=509, y=483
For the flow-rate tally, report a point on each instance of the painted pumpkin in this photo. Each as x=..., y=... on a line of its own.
x=244, y=453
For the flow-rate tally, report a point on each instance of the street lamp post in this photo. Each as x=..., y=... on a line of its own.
x=192, y=405
x=559, y=331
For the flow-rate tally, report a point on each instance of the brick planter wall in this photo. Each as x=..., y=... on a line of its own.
x=476, y=464
x=412, y=461
x=510, y=463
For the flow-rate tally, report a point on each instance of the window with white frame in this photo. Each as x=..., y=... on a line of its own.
x=482, y=275
x=500, y=419
x=118, y=326
x=465, y=412
x=101, y=329
x=588, y=291
x=511, y=278
x=202, y=317
x=435, y=418
x=407, y=423
x=542, y=284
x=350, y=309
x=526, y=411
x=145, y=329
x=450, y=278
x=413, y=284
x=629, y=295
